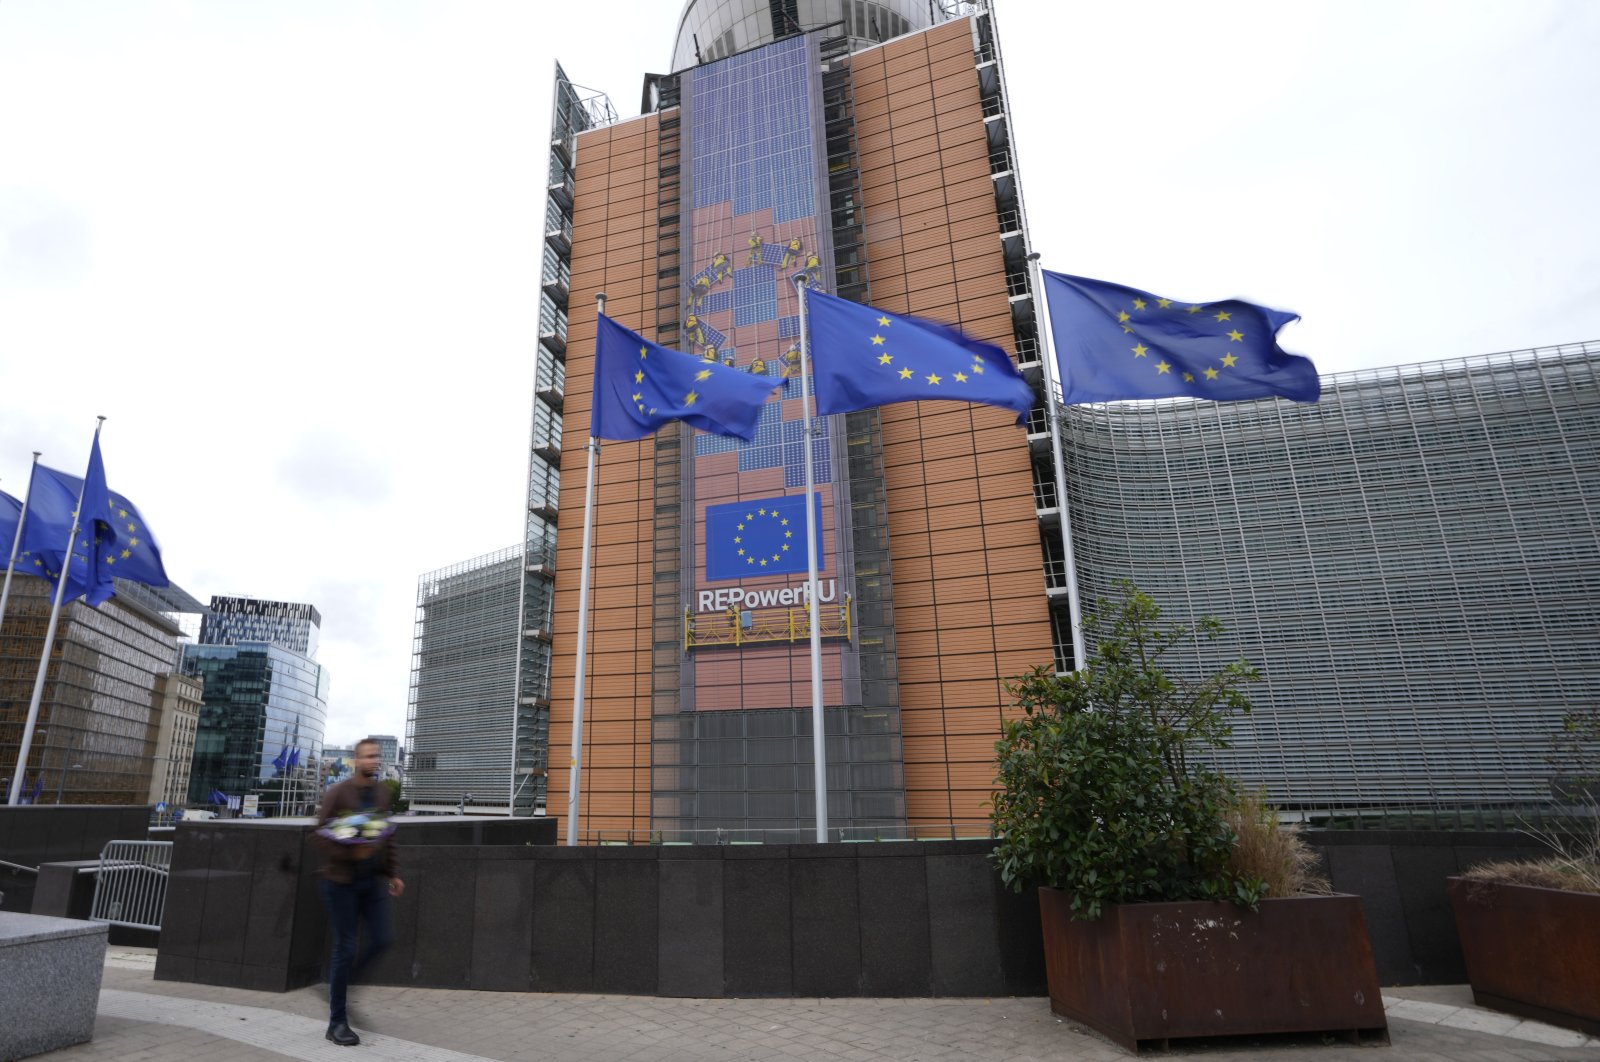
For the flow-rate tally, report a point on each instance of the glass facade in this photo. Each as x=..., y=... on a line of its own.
x=461, y=722
x=261, y=705
x=96, y=735
x=286, y=624
x=709, y=30
x=1413, y=563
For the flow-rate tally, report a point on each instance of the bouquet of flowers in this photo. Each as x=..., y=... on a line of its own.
x=357, y=828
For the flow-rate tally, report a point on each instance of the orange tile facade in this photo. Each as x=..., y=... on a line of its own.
x=968, y=581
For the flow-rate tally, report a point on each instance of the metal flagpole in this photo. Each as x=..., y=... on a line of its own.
x=16, y=541
x=583, y=620
x=1074, y=609
x=49, y=642
x=819, y=741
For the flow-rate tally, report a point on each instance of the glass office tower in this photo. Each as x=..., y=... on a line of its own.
x=264, y=708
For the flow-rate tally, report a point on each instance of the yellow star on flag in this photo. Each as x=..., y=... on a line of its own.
x=883, y=322
x=933, y=378
x=1224, y=315
x=877, y=341
x=703, y=374
x=1163, y=303
x=1162, y=368
x=1236, y=335
x=885, y=358
x=1229, y=359
x=905, y=374
x=691, y=398
x=1140, y=351
x=1211, y=374
x=1138, y=304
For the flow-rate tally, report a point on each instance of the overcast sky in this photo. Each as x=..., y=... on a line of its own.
x=291, y=250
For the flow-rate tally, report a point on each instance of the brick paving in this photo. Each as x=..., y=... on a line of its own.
x=144, y=1020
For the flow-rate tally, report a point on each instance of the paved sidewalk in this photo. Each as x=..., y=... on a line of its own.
x=144, y=1020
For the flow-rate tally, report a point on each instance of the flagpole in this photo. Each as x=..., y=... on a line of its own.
x=1074, y=608
x=49, y=639
x=16, y=541
x=583, y=615
x=819, y=741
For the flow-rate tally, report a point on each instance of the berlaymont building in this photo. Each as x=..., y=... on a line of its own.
x=1413, y=562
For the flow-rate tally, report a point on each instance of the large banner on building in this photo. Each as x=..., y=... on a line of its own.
x=755, y=218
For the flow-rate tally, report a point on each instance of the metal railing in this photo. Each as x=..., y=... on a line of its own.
x=131, y=886
x=926, y=831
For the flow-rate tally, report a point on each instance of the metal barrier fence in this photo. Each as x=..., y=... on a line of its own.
x=131, y=887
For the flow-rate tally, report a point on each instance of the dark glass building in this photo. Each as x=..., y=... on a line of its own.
x=265, y=707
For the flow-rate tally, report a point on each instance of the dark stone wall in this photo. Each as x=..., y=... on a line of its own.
x=888, y=919
x=243, y=907
x=1400, y=877
x=490, y=906
x=49, y=833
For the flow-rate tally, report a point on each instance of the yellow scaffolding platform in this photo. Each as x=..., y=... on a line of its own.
x=755, y=626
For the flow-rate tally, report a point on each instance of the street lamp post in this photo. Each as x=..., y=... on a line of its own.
x=60, y=785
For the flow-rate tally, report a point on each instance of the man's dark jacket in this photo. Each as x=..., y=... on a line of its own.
x=342, y=862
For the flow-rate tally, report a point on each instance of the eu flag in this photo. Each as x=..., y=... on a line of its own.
x=52, y=505
x=639, y=386
x=1114, y=342
x=762, y=537
x=863, y=357
x=125, y=548
x=10, y=513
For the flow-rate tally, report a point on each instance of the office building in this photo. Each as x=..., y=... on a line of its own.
x=103, y=718
x=882, y=171
x=235, y=620
x=179, y=698
x=471, y=745
x=1413, y=563
x=264, y=704
x=1408, y=562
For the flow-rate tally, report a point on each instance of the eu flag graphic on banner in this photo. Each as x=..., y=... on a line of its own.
x=765, y=537
x=639, y=386
x=863, y=357
x=126, y=549
x=1114, y=342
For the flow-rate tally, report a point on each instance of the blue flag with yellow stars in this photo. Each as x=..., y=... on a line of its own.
x=10, y=513
x=112, y=532
x=639, y=386
x=863, y=357
x=762, y=537
x=1115, y=343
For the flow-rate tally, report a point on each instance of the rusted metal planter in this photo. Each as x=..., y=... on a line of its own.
x=1531, y=952
x=1146, y=973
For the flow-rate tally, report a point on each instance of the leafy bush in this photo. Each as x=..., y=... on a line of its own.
x=1101, y=796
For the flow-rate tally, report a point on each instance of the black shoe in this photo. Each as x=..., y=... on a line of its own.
x=341, y=1033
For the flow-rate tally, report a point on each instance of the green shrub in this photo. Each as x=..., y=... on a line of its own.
x=1100, y=794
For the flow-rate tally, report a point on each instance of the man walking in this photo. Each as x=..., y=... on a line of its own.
x=359, y=874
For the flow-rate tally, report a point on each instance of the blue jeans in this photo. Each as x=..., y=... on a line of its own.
x=365, y=898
